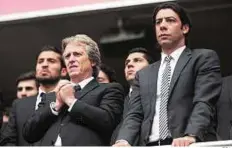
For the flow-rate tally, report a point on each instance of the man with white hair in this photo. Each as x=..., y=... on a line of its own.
x=85, y=114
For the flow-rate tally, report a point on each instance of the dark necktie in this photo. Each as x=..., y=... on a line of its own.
x=165, y=85
x=43, y=99
x=77, y=89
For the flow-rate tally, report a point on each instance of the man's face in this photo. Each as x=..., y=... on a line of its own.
x=169, y=29
x=26, y=88
x=48, y=67
x=134, y=62
x=77, y=61
x=102, y=77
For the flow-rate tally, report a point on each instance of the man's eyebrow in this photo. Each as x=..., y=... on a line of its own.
x=165, y=17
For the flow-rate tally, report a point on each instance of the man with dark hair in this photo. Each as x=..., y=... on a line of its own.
x=137, y=59
x=83, y=112
x=106, y=74
x=173, y=100
x=49, y=70
x=27, y=85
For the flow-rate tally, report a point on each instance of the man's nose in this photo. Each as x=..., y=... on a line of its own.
x=44, y=64
x=130, y=64
x=163, y=25
x=71, y=59
x=23, y=93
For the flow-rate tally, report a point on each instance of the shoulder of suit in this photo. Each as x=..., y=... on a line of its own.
x=110, y=85
x=202, y=51
x=227, y=79
x=147, y=68
x=26, y=99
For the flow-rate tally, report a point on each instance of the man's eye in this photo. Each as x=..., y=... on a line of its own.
x=170, y=20
x=19, y=88
x=158, y=22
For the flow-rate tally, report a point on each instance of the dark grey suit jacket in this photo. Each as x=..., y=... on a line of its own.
x=115, y=133
x=90, y=122
x=21, y=110
x=194, y=90
x=224, y=110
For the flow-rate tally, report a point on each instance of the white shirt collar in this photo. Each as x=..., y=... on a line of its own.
x=84, y=82
x=175, y=54
x=42, y=91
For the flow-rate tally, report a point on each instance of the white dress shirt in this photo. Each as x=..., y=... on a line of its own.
x=175, y=56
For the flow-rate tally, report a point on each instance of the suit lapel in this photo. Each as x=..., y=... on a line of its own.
x=181, y=63
x=90, y=86
x=152, y=87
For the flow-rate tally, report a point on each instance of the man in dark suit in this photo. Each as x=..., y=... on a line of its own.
x=26, y=86
x=224, y=110
x=49, y=68
x=137, y=59
x=173, y=100
x=82, y=116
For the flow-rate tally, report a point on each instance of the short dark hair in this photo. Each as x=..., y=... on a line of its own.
x=180, y=11
x=146, y=53
x=54, y=49
x=109, y=71
x=27, y=76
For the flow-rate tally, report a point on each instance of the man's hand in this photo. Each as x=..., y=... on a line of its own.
x=59, y=101
x=67, y=94
x=183, y=141
x=121, y=143
x=61, y=84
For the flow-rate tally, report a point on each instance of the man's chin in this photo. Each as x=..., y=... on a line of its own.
x=48, y=80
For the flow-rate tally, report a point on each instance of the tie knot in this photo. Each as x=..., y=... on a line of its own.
x=42, y=96
x=168, y=58
x=77, y=88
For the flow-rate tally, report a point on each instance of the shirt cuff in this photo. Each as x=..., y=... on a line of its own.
x=52, y=106
x=122, y=140
x=71, y=106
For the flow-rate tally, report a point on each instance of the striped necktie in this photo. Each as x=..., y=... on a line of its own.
x=165, y=85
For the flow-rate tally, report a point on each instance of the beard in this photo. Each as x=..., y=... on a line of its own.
x=48, y=81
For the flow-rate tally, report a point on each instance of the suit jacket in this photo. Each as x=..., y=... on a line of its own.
x=21, y=110
x=194, y=89
x=224, y=110
x=90, y=122
x=115, y=133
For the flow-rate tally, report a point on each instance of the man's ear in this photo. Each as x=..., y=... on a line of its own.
x=93, y=64
x=185, y=29
x=63, y=72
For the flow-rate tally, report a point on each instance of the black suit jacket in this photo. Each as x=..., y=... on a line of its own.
x=21, y=110
x=90, y=122
x=194, y=89
x=224, y=110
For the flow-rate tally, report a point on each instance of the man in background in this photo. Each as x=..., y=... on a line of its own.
x=137, y=59
x=27, y=85
x=49, y=69
x=106, y=74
